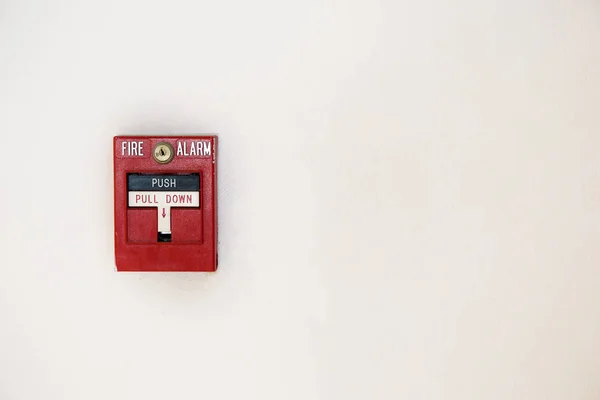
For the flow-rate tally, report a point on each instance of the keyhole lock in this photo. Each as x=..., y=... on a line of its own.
x=163, y=153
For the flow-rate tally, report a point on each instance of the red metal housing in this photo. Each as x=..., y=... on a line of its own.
x=160, y=228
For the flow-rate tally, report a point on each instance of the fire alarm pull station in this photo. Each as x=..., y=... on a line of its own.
x=165, y=203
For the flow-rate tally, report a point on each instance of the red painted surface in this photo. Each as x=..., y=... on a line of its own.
x=194, y=230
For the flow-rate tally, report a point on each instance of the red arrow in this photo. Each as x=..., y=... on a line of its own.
x=164, y=214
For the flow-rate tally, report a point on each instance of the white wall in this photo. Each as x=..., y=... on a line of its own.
x=409, y=199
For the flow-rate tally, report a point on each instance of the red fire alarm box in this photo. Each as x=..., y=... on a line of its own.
x=165, y=203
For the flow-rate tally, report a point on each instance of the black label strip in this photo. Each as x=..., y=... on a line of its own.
x=157, y=183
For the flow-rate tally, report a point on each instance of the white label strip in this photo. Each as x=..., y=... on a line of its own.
x=163, y=201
